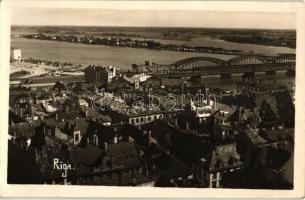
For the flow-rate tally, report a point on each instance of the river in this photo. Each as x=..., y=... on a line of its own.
x=123, y=57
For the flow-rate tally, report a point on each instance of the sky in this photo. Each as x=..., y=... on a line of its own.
x=158, y=18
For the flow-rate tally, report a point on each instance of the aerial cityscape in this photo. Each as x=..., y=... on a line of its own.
x=152, y=106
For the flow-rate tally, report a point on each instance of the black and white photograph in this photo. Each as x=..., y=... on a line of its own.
x=163, y=98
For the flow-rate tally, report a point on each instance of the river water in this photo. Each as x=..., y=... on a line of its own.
x=121, y=57
x=124, y=57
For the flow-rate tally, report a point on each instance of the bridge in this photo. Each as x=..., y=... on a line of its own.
x=205, y=66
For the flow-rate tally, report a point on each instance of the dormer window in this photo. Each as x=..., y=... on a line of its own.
x=95, y=139
x=77, y=137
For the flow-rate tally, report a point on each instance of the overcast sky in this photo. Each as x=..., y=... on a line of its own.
x=159, y=18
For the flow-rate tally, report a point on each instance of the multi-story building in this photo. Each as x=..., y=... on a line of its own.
x=15, y=54
x=99, y=74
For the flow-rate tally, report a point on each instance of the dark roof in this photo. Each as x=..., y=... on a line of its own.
x=277, y=135
x=58, y=86
x=225, y=112
x=223, y=154
x=45, y=162
x=171, y=167
x=84, y=159
x=68, y=115
x=22, y=167
x=97, y=116
x=34, y=165
x=14, y=118
x=89, y=128
x=128, y=130
x=25, y=129
x=124, y=154
x=81, y=125
x=254, y=137
x=171, y=82
x=52, y=122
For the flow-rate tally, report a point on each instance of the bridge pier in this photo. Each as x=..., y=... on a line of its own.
x=270, y=72
x=290, y=72
x=225, y=76
x=196, y=80
x=248, y=75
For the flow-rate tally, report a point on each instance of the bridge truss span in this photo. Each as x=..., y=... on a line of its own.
x=213, y=66
x=197, y=63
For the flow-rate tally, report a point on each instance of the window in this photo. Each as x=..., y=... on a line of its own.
x=149, y=118
x=137, y=120
x=132, y=121
x=142, y=119
x=155, y=117
x=77, y=136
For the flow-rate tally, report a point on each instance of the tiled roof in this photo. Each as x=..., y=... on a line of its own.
x=83, y=159
x=223, y=154
x=171, y=167
x=124, y=154
x=277, y=135
x=254, y=137
x=45, y=159
x=22, y=166
x=13, y=117
x=24, y=130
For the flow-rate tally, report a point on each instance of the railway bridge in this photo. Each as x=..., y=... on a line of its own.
x=205, y=66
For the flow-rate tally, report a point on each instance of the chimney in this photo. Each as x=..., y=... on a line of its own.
x=105, y=146
x=114, y=71
x=149, y=138
x=187, y=126
x=115, y=139
x=77, y=137
x=146, y=167
x=56, y=116
x=86, y=112
x=176, y=122
x=21, y=112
